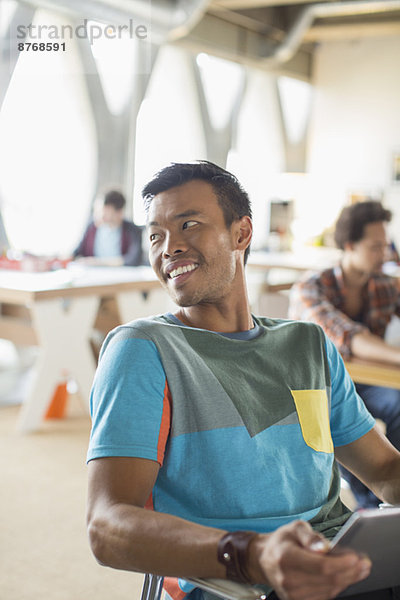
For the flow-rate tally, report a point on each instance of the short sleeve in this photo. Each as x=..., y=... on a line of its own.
x=129, y=401
x=312, y=300
x=350, y=418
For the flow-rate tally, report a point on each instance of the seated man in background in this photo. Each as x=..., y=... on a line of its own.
x=110, y=239
x=354, y=302
x=226, y=424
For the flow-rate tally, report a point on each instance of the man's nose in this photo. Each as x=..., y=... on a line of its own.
x=173, y=244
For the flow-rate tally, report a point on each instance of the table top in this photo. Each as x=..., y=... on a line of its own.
x=303, y=259
x=373, y=372
x=18, y=287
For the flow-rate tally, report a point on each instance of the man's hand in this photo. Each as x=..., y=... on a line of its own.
x=294, y=561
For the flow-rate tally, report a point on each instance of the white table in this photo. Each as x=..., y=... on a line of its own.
x=271, y=274
x=304, y=259
x=60, y=310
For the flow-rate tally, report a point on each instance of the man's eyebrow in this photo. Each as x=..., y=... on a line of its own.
x=186, y=213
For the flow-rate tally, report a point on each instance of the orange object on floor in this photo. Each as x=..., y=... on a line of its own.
x=58, y=403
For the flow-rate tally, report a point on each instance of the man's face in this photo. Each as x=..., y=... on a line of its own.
x=106, y=214
x=191, y=249
x=368, y=254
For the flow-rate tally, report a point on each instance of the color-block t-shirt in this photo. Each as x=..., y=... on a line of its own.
x=244, y=429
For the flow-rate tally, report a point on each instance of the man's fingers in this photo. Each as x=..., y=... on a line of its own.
x=318, y=547
x=308, y=538
x=298, y=565
x=299, y=585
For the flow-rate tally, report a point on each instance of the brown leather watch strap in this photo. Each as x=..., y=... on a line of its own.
x=232, y=552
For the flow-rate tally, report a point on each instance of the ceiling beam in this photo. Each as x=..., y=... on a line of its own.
x=238, y=18
x=247, y=4
x=232, y=42
x=351, y=31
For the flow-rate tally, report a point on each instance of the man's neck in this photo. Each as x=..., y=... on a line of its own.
x=353, y=277
x=215, y=317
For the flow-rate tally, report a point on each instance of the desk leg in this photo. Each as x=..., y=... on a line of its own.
x=132, y=305
x=63, y=330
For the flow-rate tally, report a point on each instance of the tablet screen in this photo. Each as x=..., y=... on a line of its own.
x=376, y=533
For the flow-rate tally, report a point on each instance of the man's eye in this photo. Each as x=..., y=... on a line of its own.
x=153, y=236
x=189, y=224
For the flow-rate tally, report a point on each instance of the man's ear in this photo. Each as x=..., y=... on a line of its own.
x=244, y=232
x=348, y=246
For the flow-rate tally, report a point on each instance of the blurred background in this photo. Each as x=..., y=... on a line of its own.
x=300, y=100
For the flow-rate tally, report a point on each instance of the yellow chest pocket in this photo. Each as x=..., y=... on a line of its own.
x=313, y=413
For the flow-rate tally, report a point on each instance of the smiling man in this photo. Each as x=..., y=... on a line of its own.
x=225, y=424
x=195, y=258
x=354, y=303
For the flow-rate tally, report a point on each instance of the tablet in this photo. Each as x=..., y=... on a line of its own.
x=376, y=533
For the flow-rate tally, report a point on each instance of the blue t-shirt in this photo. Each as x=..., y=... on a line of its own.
x=243, y=425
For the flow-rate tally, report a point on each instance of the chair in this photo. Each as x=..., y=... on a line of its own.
x=228, y=590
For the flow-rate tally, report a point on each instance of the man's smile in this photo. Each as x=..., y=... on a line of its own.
x=179, y=270
x=182, y=269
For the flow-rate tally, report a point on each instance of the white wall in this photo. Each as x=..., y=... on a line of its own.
x=355, y=125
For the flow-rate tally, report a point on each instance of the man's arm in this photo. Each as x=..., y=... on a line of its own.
x=309, y=302
x=126, y=536
x=372, y=347
x=374, y=460
x=132, y=251
x=81, y=249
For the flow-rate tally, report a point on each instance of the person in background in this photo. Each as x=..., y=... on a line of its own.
x=110, y=239
x=354, y=302
x=220, y=420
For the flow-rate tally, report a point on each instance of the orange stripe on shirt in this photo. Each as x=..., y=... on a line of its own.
x=165, y=424
x=149, y=502
x=171, y=586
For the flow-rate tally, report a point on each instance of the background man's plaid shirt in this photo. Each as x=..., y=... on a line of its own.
x=320, y=298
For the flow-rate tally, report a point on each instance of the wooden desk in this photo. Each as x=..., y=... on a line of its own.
x=373, y=373
x=58, y=313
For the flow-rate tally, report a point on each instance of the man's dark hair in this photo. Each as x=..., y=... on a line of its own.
x=115, y=199
x=232, y=198
x=353, y=219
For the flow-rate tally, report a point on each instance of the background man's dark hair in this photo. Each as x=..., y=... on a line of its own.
x=115, y=199
x=232, y=198
x=353, y=219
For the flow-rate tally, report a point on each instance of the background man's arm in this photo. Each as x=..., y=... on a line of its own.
x=133, y=254
x=350, y=337
x=372, y=347
x=308, y=302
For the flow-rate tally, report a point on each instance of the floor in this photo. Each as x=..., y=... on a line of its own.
x=44, y=551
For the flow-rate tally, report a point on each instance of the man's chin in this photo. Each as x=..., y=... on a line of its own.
x=182, y=302
x=184, y=299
